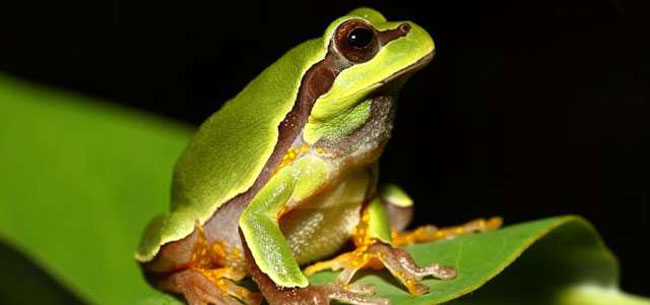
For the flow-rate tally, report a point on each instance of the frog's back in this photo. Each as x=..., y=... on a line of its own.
x=230, y=149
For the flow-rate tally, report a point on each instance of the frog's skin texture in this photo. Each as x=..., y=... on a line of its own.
x=285, y=174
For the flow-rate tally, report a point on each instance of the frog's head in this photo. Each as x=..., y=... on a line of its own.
x=371, y=59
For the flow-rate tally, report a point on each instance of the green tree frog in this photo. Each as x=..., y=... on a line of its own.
x=284, y=175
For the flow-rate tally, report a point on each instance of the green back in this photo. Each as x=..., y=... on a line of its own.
x=229, y=151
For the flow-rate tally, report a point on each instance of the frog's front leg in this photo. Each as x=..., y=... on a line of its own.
x=309, y=295
x=270, y=259
x=373, y=241
x=400, y=210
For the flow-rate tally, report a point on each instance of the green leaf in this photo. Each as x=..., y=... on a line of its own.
x=81, y=178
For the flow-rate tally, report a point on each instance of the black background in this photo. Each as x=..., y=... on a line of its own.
x=530, y=108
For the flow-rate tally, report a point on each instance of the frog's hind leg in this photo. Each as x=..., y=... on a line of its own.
x=209, y=275
x=209, y=286
x=399, y=207
x=431, y=233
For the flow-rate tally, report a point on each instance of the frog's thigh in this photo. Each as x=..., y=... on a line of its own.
x=374, y=224
x=214, y=286
x=259, y=222
x=398, y=204
x=202, y=272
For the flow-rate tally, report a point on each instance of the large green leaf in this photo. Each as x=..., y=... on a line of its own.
x=80, y=178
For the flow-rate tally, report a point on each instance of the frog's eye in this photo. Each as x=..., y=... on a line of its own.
x=360, y=38
x=356, y=41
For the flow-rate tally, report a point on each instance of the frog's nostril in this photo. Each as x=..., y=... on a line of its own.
x=404, y=28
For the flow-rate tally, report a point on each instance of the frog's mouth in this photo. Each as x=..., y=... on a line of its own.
x=394, y=83
x=410, y=69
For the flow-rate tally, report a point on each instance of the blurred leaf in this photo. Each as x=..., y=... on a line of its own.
x=21, y=280
x=80, y=179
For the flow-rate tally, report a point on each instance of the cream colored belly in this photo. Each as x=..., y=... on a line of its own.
x=318, y=228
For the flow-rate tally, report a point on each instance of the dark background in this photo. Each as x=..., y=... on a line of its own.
x=530, y=108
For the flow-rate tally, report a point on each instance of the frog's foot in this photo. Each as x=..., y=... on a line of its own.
x=432, y=233
x=323, y=295
x=378, y=254
x=211, y=286
x=353, y=294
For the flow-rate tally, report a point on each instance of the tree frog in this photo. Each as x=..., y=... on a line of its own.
x=285, y=175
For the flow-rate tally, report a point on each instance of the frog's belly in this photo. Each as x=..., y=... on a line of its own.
x=321, y=226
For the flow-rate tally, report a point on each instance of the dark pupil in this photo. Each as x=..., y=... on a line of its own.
x=360, y=38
